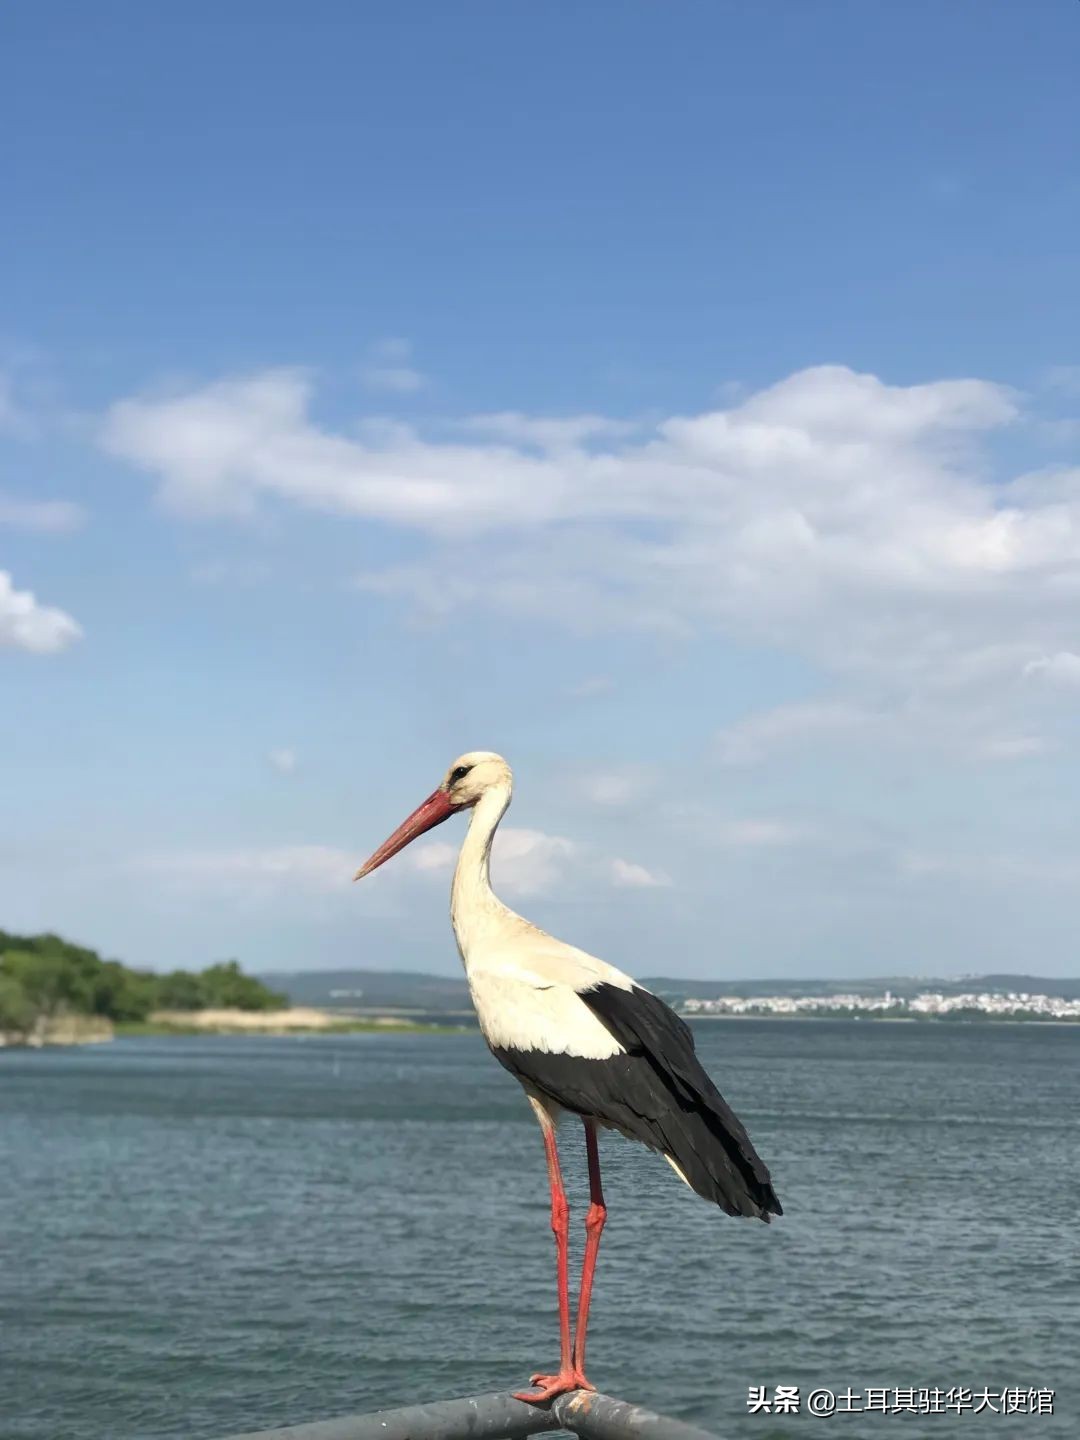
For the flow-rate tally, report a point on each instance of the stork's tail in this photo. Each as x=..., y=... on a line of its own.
x=715, y=1158
x=688, y=1119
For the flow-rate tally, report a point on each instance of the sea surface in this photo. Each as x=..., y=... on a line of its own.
x=205, y=1236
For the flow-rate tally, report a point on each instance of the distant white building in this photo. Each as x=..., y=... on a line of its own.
x=928, y=1003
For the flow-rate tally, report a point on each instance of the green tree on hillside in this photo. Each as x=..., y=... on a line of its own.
x=44, y=976
x=123, y=994
x=179, y=990
x=50, y=981
x=17, y=1012
x=227, y=987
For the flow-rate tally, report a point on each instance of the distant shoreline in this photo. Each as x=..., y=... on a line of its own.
x=294, y=1020
x=393, y=1025
x=77, y=1029
x=276, y=1024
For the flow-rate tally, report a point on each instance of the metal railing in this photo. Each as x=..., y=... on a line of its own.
x=496, y=1417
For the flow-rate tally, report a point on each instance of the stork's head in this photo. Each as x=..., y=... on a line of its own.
x=464, y=785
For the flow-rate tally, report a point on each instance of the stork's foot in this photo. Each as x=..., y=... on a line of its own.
x=549, y=1386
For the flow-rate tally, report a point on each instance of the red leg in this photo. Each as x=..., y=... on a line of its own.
x=594, y=1225
x=548, y=1386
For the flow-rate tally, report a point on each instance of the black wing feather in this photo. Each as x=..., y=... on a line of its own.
x=644, y=1025
x=657, y=1092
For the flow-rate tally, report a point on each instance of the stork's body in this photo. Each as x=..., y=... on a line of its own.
x=580, y=1036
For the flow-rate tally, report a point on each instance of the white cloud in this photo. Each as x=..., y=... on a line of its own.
x=756, y=834
x=283, y=760
x=1060, y=669
x=969, y=731
x=388, y=369
x=627, y=875
x=307, y=868
x=433, y=855
x=398, y=379
x=558, y=433
x=530, y=862
x=523, y=862
x=990, y=868
x=591, y=688
x=830, y=515
x=27, y=625
x=219, y=450
x=1012, y=747
x=45, y=516
x=614, y=789
x=813, y=461
x=707, y=827
x=758, y=735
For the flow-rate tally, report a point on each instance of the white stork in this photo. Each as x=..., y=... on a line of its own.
x=583, y=1037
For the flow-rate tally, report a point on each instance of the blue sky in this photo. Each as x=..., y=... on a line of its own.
x=682, y=400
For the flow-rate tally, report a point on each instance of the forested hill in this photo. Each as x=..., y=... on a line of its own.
x=43, y=977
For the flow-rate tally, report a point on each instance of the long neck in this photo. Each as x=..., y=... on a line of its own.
x=473, y=905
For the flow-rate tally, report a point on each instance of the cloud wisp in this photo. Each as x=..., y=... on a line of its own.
x=628, y=875
x=45, y=517
x=1063, y=668
x=390, y=370
x=525, y=863
x=26, y=624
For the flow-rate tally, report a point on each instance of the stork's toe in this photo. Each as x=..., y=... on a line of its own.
x=548, y=1387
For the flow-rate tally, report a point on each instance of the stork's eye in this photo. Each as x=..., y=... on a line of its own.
x=459, y=773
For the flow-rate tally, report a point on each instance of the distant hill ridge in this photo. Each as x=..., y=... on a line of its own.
x=374, y=989
x=350, y=989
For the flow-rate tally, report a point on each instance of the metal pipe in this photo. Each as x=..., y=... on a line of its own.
x=496, y=1417
x=600, y=1417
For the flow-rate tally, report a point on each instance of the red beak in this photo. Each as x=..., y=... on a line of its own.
x=435, y=809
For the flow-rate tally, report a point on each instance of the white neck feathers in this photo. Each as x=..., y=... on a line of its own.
x=473, y=904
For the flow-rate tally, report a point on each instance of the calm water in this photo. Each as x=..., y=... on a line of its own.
x=204, y=1236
